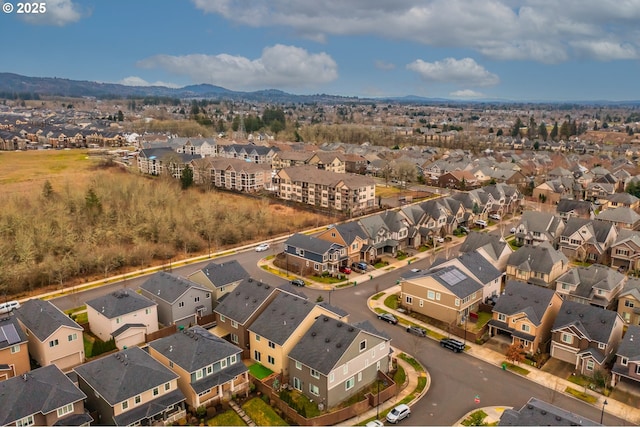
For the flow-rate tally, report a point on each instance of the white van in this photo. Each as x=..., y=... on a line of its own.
x=9, y=306
x=481, y=222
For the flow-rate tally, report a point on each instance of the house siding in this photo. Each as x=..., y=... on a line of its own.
x=65, y=355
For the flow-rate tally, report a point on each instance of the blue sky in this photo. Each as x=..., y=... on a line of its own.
x=564, y=50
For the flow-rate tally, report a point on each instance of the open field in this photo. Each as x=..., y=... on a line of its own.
x=94, y=221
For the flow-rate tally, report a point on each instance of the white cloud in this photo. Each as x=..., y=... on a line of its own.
x=547, y=31
x=606, y=51
x=384, y=65
x=466, y=93
x=58, y=12
x=279, y=66
x=463, y=71
x=138, y=81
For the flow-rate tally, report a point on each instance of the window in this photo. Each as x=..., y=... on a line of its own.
x=167, y=386
x=272, y=344
x=345, y=369
x=525, y=328
x=223, y=363
x=15, y=349
x=348, y=385
x=567, y=338
x=457, y=302
x=137, y=400
x=565, y=286
x=638, y=369
x=27, y=421
x=233, y=359
x=628, y=303
x=363, y=345
x=66, y=409
x=234, y=324
x=590, y=365
x=181, y=304
x=257, y=355
x=156, y=391
x=257, y=337
x=314, y=373
x=73, y=336
x=234, y=338
x=298, y=365
x=271, y=360
x=222, y=318
x=332, y=377
x=207, y=295
x=601, y=345
x=147, y=311
x=502, y=317
x=125, y=405
x=409, y=299
x=297, y=384
x=437, y=296
x=360, y=373
x=313, y=389
x=53, y=343
x=431, y=295
x=118, y=320
x=170, y=364
x=624, y=361
x=196, y=299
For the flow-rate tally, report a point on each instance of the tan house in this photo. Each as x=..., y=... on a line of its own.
x=596, y=284
x=526, y=313
x=540, y=264
x=209, y=368
x=123, y=315
x=626, y=200
x=629, y=302
x=14, y=349
x=53, y=337
x=231, y=174
x=330, y=161
x=220, y=278
x=627, y=364
x=351, y=236
x=625, y=252
x=279, y=328
x=290, y=158
x=587, y=240
x=448, y=295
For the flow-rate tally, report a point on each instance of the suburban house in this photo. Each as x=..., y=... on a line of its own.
x=597, y=285
x=387, y=232
x=355, y=194
x=14, y=348
x=622, y=217
x=209, y=368
x=239, y=309
x=526, y=314
x=54, y=338
x=625, y=251
x=448, y=295
x=491, y=246
x=441, y=217
x=355, y=163
x=131, y=388
x=460, y=180
x=353, y=237
x=540, y=265
x=475, y=265
x=585, y=336
x=627, y=364
x=307, y=255
x=587, y=240
x=231, y=174
x=163, y=160
x=625, y=200
x=537, y=227
x=290, y=158
x=334, y=360
x=553, y=190
x=250, y=153
x=220, y=279
x=42, y=397
x=179, y=301
x=570, y=208
x=124, y=316
x=327, y=160
x=537, y=412
x=279, y=328
x=629, y=302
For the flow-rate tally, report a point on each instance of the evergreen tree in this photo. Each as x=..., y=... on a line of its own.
x=554, y=132
x=186, y=178
x=542, y=131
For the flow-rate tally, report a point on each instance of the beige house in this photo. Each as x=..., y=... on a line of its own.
x=123, y=315
x=279, y=328
x=53, y=337
x=220, y=278
x=540, y=265
x=330, y=161
x=14, y=349
x=629, y=302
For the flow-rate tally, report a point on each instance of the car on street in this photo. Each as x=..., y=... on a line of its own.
x=388, y=317
x=495, y=216
x=262, y=247
x=452, y=344
x=416, y=330
x=439, y=239
x=374, y=423
x=298, y=282
x=399, y=413
x=344, y=269
x=9, y=306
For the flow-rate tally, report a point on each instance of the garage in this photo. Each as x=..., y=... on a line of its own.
x=563, y=354
x=67, y=362
x=129, y=336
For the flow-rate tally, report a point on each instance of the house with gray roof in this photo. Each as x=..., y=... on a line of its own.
x=597, y=285
x=307, y=255
x=585, y=336
x=526, y=313
x=627, y=364
x=163, y=160
x=540, y=413
x=14, y=348
x=625, y=251
x=124, y=316
x=622, y=217
x=131, y=387
x=587, y=240
x=181, y=302
x=491, y=246
x=540, y=265
x=209, y=367
x=448, y=294
x=42, y=397
x=353, y=237
x=279, y=328
x=334, y=360
x=54, y=338
x=537, y=227
x=570, y=208
x=629, y=302
x=626, y=200
x=221, y=278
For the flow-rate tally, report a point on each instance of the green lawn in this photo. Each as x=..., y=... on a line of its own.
x=88, y=345
x=400, y=376
x=377, y=296
x=227, y=418
x=391, y=301
x=581, y=395
x=262, y=414
x=259, y=371
x=516, y=368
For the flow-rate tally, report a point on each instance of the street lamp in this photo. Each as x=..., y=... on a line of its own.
x=464, y=325
x=605, y=403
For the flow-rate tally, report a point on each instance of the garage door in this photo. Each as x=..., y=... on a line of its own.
x=563, y=354
x=130, y=338
x=67, y=362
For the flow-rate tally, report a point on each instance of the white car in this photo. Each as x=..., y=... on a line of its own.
x=263, y=247
x=399, y=413
x=495, y=216
x=513, y=230
x=9, y=306
x=375, y=423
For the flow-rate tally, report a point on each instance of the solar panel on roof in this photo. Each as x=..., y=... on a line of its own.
x=452, y=277
x=10, y=334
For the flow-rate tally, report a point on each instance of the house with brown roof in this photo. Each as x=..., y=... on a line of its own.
x=458, y=179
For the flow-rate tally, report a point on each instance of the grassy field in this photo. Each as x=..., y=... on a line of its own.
x=227, y=418
x=262, y=414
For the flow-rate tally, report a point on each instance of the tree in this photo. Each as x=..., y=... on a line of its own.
x=532, y=128
x=186, y=178
x=542, y=131
x=554, y=132
x=515, y=353
x=120, y=116
x=500, y=132
x=536, y=145
x=515, y=130
x=93, y=205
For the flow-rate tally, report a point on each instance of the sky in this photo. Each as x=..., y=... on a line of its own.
x=519, y=50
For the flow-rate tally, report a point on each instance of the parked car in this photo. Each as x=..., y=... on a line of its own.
x=9, y=306
x=464, y=229
x=298, y=282
x=439, y=239
x=359, y=266
x=495, y=216
x=388, y=317
x=416, y=330
x=513, y=230
x=374, y=423
x=481, y=222
x=263, y=247
x=344, y=269
x=399, y=413
x=452, y=344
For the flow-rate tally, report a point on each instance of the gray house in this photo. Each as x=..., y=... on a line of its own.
x=310, y=255
x=42, y=397
x=221, y=278
x=537, y=227
x=627, y=364
x=334, y=360
x=180, y=301
x=597, y=285
x=491, y=246
x=131, y=387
